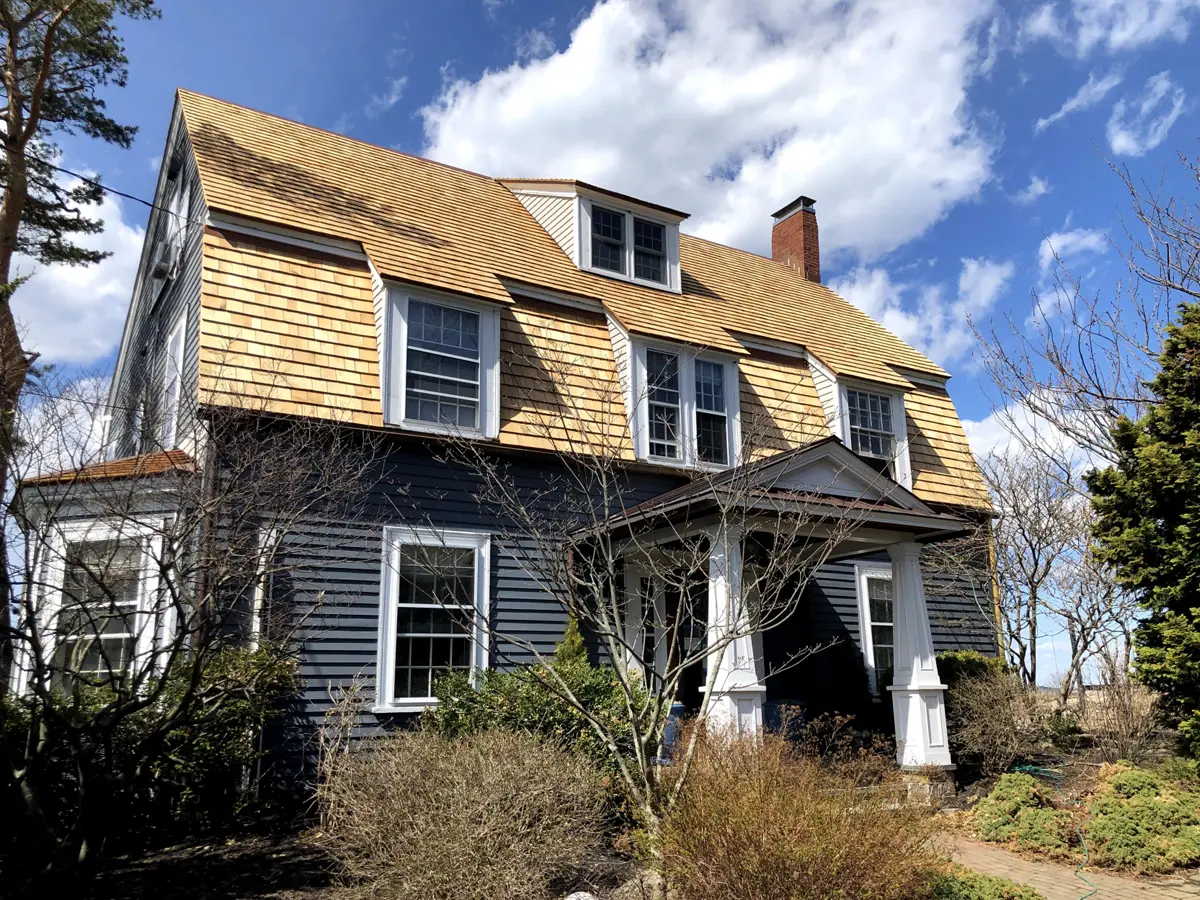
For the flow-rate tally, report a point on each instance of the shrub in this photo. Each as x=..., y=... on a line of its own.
x=1122, y=716
x=755, y=821
x=955, y=665
x=1019, y=810
x=997, y=720
x=494, y=815
x=526, y=701
x=963, y=885
x=1179, y=771
x=1142, y=822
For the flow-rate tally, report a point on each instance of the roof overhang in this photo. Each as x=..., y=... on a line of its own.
x=822, y=484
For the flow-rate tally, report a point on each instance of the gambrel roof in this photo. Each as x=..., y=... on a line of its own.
x=301, y=330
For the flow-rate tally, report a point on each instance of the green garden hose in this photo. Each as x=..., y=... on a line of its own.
x=1055, y=779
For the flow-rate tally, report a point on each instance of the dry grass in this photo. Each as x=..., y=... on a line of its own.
x=759, y=821
x=496, y=815
x=1122, y=716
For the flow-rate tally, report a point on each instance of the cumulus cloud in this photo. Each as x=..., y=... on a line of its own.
x=1037, y=187
x=75, y=314
x=66, y=420
x=383, y=102
x=1139, y=125
x=923, y=315
x=731, y=109
x=1082, y=26
x=1070, y=247
x=1092, y=92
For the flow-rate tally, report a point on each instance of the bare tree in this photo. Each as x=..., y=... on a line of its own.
x=1035, y=509
x=143, y=598
x=1082, y=359
x=633, y=565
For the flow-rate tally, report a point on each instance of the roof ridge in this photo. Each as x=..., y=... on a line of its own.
x=337, y=134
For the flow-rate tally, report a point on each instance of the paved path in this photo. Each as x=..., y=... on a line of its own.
x=1060, y=883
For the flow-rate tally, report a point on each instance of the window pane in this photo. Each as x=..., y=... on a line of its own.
x=884, y=660
x=662, y=382
x=648, y=236
x=433, y=635
x=711, y=438
x=608, y=240
x=870, y=418
x=649, y=243
x=648, y=266
x=881, y=636
x=97, y=622
x=710, y=386
x=442, y=383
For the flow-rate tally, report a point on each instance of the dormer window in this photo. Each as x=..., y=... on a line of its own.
x=875, y=429
x=687, y=412
x=629, y=244
x=443, y=365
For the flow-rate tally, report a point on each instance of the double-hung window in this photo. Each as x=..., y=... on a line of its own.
x=434, y=613
x=443, y=366
x=877, y=615
x=98, y=611
x=686, y=407
x=626, y=244
x=608, y=240
x=872, y=427
x=173, y=383
x=663, y=398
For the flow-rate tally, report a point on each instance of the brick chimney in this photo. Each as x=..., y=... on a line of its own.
x=794, y=240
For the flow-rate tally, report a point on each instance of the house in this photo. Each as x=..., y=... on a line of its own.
x=299, y=275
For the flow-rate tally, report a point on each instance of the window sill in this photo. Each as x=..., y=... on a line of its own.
x=684, y=464
x=418, y=427
x=629, y=279
x=410, y=705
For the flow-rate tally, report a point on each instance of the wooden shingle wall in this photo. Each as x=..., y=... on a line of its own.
x=944, y=469
x=288, y=331
x=779, y=406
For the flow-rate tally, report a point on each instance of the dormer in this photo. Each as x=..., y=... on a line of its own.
x=605, y=232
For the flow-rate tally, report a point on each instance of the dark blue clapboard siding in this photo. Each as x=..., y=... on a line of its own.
x=341, y=562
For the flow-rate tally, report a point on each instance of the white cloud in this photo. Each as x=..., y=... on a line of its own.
x=1009, y=428
x=74, y=314
x=382, y=103
x=1037, y=187
x=934, y=324
x=536, y=43
x=730, y=109
x=62, y=424
x=1070, y=246
x=1141, y=125
x=1081, y=26
x=1092, y=92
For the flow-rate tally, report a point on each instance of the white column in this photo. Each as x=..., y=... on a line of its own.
x=918, y=695
x=737, y=697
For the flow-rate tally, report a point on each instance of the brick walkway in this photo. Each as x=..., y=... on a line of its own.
x=1060, y=882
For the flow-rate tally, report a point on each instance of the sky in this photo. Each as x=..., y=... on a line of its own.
x=954, y=147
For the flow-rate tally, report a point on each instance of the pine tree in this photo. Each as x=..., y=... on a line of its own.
x=1148, y=529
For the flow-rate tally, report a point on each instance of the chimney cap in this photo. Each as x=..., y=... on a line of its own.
x=800, y=204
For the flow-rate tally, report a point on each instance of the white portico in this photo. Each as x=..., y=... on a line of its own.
x=849, y=511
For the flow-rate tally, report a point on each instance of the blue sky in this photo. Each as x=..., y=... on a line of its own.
x=946, y=141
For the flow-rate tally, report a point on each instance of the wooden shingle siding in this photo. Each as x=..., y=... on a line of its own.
x=779, y=407
x=944, y=469
x=559, y=387
x=287, y=330
x=827, y=393
x=555, y=214
x=427, y=224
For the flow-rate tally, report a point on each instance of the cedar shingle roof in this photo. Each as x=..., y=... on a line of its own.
x=433, y=224
x=159, y=463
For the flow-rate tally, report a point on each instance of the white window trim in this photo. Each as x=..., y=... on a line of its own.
x=863, y=571
x=689, y=457
x=54, y=538
x=901, y=460
x=396, y=364
x=173, y=372
x=670, y=238
x=395, y=536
